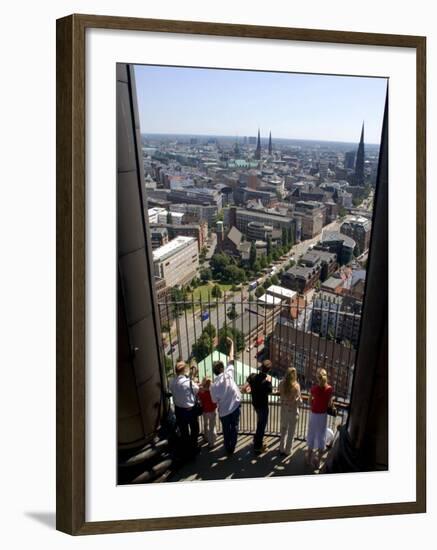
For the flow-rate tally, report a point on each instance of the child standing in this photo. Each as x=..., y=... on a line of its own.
x=209, y=412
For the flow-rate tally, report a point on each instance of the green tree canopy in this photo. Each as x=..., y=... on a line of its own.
x=233, y=274
x=218, y=264
x=231, y=332
x=284, y=237
x=210, y=330
x=269, y=245
x=216, y=291
x=252, y=255
x=202, y=347
x=290, y=237
x=259, y=291
x=205, y=274
x=232, y=312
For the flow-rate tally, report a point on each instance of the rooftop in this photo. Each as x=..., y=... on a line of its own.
x=334, y=236
x=269, y=300
x=277, y=290
x=172, y=247
x=332, y=283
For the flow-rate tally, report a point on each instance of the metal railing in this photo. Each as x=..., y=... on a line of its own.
x=280, y=331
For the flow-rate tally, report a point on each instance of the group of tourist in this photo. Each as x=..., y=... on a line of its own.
x=223, y=395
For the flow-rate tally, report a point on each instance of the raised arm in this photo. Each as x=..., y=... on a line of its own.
x=231, y=348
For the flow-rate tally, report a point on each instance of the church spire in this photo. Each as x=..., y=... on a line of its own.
x=258, y=147
x=270, y=143
x=359, y=163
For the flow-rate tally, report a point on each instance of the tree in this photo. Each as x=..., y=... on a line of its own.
x=179, y=299
x=251, y=297
x=233, y=274
x=342, y=212
x=216, y=291
x=218, y=263
x=210, y=330
x=259, y=291
x=232, y=313
x=269, y=246
x=231, y=332
x=274, y=279
x=202, y=348
x=169, y=217
x=267, y=283
x=263, y=262
x=284, y=237
x=205, y=274
x=356, y=201
x=290, y=237
x=257, y=267
x=357, y=251
x=252, y=255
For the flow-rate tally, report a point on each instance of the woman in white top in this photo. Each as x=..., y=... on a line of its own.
x=289, y=391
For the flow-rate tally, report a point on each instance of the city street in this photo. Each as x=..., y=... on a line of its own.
x=189, y=325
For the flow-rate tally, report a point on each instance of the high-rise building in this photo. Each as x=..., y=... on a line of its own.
x=258, y=147
x=359, y=164
x=270, y=144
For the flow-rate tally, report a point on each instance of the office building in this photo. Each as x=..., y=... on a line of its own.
x=359, y=229
x=312, y=216
x=301, y=278
x=177, y=261
x=339, y=244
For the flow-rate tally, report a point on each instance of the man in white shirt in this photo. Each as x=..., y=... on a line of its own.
x=184, y=392
x=225, y=392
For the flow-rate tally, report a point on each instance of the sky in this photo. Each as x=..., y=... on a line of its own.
x=181, y=100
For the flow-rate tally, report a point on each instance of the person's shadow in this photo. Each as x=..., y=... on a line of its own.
x=46, y=518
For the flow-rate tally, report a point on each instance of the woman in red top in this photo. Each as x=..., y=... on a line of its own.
x=319, y=400
x=209, y=412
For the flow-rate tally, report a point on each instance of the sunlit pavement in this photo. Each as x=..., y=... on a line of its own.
x=214, y=464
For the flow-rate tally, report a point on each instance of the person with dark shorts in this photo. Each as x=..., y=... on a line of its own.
x=259, y=385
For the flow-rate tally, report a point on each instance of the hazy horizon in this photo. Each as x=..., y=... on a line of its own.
x=264, y=139
x=235, y=103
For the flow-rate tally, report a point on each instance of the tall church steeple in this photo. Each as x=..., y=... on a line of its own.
x=258, y=147
x=270, y=143
x=359, y=163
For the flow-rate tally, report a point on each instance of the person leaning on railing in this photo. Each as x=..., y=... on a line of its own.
x=184, y=392
x=259, y=384
x=290, y=398
x=225, y=392
x=209, y=414
x=319, y=400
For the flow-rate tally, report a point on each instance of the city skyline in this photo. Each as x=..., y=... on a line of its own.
x=223, y=102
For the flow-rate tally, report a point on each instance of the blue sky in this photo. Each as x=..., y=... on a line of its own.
x=235, y=103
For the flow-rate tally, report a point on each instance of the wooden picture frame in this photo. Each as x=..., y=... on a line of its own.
x=71, y=252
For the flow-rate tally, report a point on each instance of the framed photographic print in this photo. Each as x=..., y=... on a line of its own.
x=240, y=274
